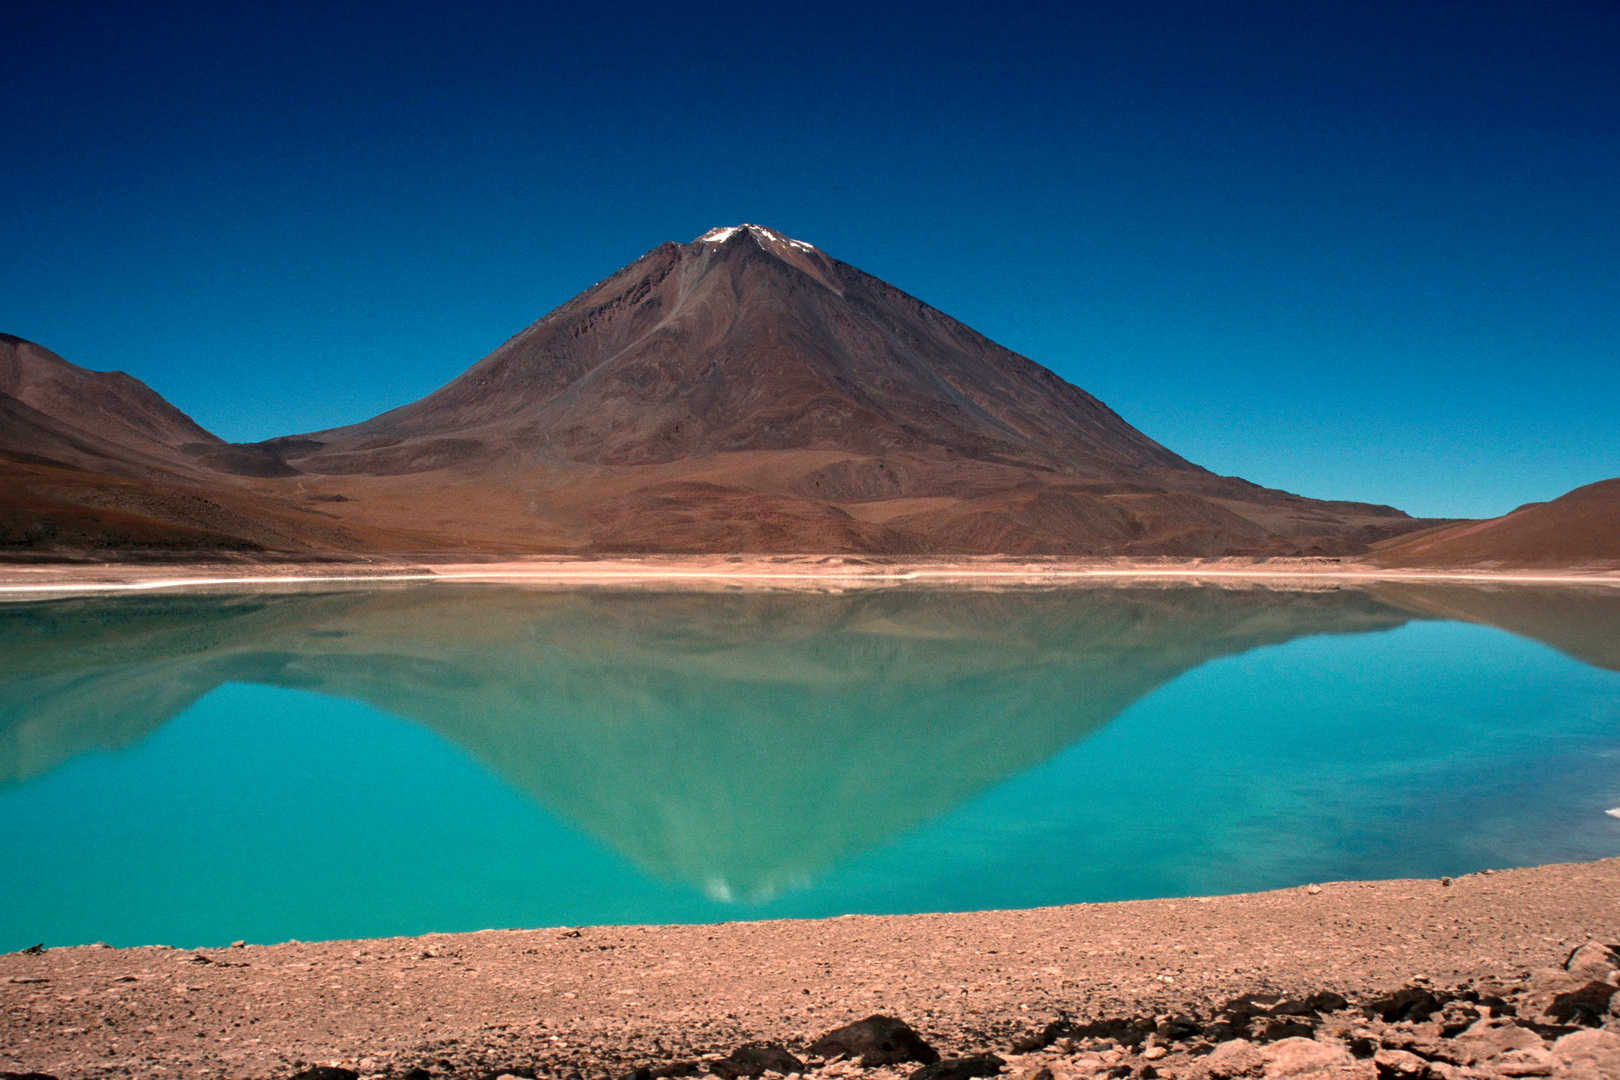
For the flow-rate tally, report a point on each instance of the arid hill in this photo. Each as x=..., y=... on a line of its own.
x=745, y=340
x=743, y=392
x=97, y=462
x=1580, y=528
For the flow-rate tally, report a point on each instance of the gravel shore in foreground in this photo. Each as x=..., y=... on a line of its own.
x=1214, y=987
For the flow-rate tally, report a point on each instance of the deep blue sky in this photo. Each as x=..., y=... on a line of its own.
x=1355, y=250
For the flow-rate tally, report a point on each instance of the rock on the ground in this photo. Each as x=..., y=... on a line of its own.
x=1594, y=961
x=1400, y=1065
x=1233, y=1058
x=1413, y=1003
x=1489, y=1039
x=877, y=1040
x=1586, y=1005
x=756, y=1059
x=1588, y=1055
x=962, y=1068
x=664, y=1072
x=1300, y=1057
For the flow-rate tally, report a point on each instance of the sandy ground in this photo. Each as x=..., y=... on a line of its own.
x=27, y=579
x=600, y=1001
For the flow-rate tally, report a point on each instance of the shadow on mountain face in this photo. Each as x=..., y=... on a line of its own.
x=742, y=742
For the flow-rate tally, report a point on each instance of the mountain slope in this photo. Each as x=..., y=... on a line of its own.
x=98, y=462
x=746, y=392
x=745, y=340
x=107, y=421
x=1579, y=528
x=115, y=404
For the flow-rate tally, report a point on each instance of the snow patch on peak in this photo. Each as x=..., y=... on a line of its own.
x=762, y=236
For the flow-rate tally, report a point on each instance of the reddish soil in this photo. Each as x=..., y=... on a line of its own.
x=1581, y=527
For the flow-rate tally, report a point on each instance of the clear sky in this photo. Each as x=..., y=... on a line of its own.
x=1357, y=250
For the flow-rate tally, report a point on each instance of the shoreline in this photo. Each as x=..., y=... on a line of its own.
x=599, y=1002
x=22, y=580
x=1200, y=988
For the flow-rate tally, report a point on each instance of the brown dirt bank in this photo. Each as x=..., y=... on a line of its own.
x=600, y=1001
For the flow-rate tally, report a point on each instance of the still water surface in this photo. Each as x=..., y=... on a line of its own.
x=193, y=769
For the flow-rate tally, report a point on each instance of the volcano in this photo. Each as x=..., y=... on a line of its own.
x=746, y=341
x=744, y=392
x=748, y=392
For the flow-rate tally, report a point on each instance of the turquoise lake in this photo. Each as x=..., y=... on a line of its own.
x=195, y=768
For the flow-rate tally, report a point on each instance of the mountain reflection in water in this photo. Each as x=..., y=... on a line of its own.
x=743, y=742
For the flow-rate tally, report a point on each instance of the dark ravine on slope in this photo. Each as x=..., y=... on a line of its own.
x=743, y=392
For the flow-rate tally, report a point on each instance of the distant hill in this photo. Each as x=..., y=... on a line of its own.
x=99, y=462
x=743, y=392
x=1581, y=528
x=102, y=421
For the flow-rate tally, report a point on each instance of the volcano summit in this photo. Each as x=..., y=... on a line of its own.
x=742, y=392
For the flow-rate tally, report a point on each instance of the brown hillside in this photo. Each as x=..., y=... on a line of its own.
x=747, y=392
x=1581, y=528
x=99, y=463
x=741, y=393
x=745, y=340
x=118, y=409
